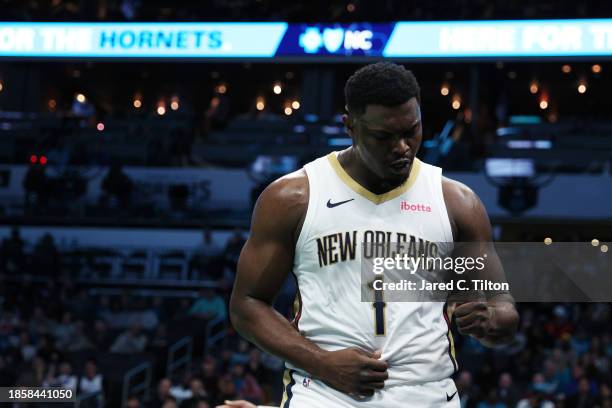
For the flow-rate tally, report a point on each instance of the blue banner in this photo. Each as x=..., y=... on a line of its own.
x=136, y=40
x=316, y=42
x=533, y=38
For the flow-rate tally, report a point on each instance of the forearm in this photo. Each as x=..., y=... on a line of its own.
x=502, y=324
x=262, y=325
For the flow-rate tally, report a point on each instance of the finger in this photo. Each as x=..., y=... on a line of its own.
x=378, y=385
x=373, y=376
x=236, y=403
x=376, y=365
x=467, y=308
x=476, y=330
x=365, y=391
x=471, y=318
x=377, y=354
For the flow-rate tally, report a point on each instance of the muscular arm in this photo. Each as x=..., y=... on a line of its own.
x=264, y=263
x=493, y=321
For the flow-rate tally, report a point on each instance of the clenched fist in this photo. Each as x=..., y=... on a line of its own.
x=473, y=318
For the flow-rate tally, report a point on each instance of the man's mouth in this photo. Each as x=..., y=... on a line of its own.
x=400, y=164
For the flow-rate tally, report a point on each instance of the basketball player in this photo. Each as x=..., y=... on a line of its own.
x=339, y=351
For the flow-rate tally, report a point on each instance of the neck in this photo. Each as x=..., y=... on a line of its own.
x=354, y=165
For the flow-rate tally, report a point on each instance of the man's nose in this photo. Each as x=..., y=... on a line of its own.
x=400, y=145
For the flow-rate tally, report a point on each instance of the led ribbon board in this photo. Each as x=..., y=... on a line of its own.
x=316, y=42
x=136, y=40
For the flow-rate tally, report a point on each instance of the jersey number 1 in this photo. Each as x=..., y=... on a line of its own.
x=379, y=313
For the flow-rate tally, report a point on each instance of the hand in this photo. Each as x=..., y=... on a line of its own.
x=354, y=371
x=473, y=318
x=237, y=404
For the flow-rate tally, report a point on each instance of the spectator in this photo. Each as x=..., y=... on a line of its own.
x=254, y=365
x=13, y=258
x=226, y=389
x=79, y=341
x=182, y=390
x=205, y=260
x=46, y=347
x=36, y=188
x=117, y=185
x=535, y=400
x=26, y=348
x=605, y=396
x=162, y=395
x=92, y=382
x=159, y=341
x=46, y=257
x=197, y=393
x=64, y=331
x=492, y=401
x=508, y=394
x=209, y=375
x=101, y=337
x=584, y=398
x=130, y=341
x=208, y=306
x=132, y=402
x=145, y=315
x=468, y=393
x=246, y=385
x=169, y=403
x=40, y=324
x=65, y=379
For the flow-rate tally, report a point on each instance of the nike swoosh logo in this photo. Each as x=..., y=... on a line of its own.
x=332, y=205
x=451, y=396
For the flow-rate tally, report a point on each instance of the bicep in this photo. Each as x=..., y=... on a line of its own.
x=262, y=268
x=267, y=257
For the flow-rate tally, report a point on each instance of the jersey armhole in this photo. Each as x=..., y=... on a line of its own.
x=310, y=210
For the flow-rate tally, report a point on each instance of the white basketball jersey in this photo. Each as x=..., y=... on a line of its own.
x=414, y=336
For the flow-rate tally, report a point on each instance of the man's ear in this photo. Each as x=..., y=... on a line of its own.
x=349, y=123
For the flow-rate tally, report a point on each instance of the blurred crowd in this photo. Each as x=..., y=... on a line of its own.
x=560, y=358
x=55, y=332
x=273, y=10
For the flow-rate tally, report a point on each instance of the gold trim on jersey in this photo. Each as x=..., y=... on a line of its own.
x=449, y=335
x=286, y=380
x=364, y=192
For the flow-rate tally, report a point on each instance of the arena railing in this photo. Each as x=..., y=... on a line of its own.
x=141, y=387
x=213, y=339
x=175, y=363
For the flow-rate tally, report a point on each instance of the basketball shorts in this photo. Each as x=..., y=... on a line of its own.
x=301, y=391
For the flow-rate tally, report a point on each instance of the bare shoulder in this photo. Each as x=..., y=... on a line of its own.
x=458, y=194
x=467, y=214
x=282, y=205
x=289, y=190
